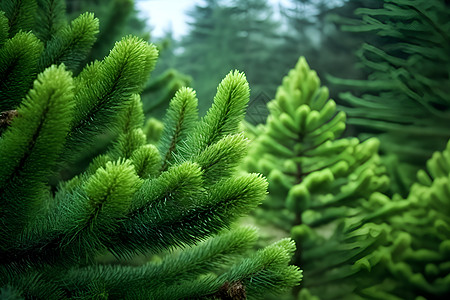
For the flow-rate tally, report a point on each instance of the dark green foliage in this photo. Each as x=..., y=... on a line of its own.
x=51, y=17
x=179, y=205
x=4, y=28
x=409, y=77
x=18, y=68
x=20, y=14
x=71, y=43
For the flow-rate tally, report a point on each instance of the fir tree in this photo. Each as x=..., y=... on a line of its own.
x=319, y=184
x=312, y=31
x=136, y=198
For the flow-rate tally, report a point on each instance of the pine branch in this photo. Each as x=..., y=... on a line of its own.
x=20, y=14
x=71, y=44
x=106, y=88
x=180, y=118
x=203, y=258
x=37, y=132
x=191, y=218
x=220, y=159
x=146, y=160
x=18, y=68
x=223, y=117
x=50, y=17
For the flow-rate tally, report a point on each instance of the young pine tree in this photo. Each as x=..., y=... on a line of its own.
x=183, y=195
x=321, y=185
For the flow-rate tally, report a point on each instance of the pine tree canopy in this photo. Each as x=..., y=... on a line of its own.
x=175, y=202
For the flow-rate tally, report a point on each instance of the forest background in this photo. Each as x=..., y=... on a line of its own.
x=249, y=35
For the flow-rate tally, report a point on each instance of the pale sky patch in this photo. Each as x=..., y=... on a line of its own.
x=164, y=14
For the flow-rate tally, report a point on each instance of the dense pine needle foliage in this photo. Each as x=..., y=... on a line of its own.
x=99, y=201
x=176, y=203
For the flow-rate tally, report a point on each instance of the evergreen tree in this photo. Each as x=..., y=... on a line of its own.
x=319, y=184
x=413, y=263
x=404, y=100
x=136, y=198
x=234, y=34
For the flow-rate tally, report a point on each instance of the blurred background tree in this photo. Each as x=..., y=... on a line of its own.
x=265, y=41
x=312, y=31
x=224, y=35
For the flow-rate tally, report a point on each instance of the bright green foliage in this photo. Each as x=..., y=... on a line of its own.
x=153, y=130
x=177, y=201
x=319, y=184
x=32, y=144
x=408, y=77
x=418, y=253
x=106, y=88
x=180, y=118
x=224, y=116
x=119, y=18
